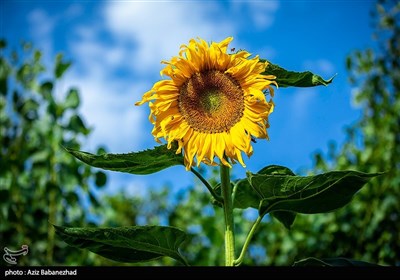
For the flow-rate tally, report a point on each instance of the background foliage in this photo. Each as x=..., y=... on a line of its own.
x=40, y=182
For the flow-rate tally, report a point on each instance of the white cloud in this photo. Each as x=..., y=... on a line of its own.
x=157, y=29
x=322, y=67
x=262, y=13
x=300, y=104
x=109, y=108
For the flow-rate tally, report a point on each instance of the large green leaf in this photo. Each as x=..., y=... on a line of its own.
x=140, y=163
x=246, y=196
x=127, y=244
x=286, y=78
x=309, y=194
x=332, y=262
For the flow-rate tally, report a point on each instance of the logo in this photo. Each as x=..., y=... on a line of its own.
x=10, y=255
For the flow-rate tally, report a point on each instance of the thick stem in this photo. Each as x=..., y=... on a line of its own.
x=226, y=190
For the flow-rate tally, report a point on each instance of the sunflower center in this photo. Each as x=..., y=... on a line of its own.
x=211, y=101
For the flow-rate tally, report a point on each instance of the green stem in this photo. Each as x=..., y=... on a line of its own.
x=253, y=229
x=235, y=187
x=208, y=186
x=226, y=190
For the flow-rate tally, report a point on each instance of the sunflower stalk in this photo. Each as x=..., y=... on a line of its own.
x=226, y=190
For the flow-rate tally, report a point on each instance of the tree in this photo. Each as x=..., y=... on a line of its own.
x=39, y=183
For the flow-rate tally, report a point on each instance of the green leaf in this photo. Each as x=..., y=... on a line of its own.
x=60, y=66
x=245, y=196
x=309, y=194
x=3, y=43
x=285, y=217
x=140, y=163
x=276, y=170
x=46, y=89
x=100, y=179
x=76, y=124
x=127, y=244
x=4, y=72
x=93, y=200
x=286, y=78
x=332, y=262
x=72, y=100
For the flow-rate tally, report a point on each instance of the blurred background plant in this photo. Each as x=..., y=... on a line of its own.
x=40, y=182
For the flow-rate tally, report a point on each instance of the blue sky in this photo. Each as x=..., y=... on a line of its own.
x=116, y=48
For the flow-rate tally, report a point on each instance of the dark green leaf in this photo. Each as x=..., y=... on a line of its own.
x=71, y=197
x=93, y=199
x=245, y=195
x=76, y=124
x=285, y=217
x=3, y=43
x=140, y=163
x=4, y=72
x=101, y=150
x=101, y=179
x=60, y=66
x=310, y=194
x=286, y=78
x=4, y=196
x=72, y=100
x=276, y=170
x=46, y=90
x=332, y=262
x=127, y=244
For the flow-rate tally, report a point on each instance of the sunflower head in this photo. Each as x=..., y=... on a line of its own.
x=213, y=105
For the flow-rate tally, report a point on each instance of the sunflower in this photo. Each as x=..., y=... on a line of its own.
x=213, y=105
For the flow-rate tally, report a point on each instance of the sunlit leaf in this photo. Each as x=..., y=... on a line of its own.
x=286, y=78
x=72, y=100
x=141, y=163
x=60, y=66
x=127, y=244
